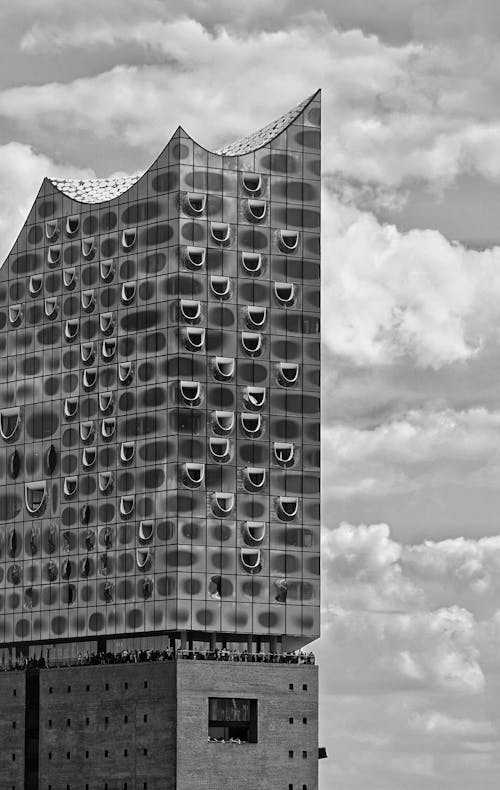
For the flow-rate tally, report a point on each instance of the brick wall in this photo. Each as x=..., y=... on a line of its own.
x=12, y=696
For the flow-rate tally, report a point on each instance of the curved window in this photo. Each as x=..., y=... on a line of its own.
x=251, y=424
x=85, y=513
x=281, y=590
x=252, y=182
x=127, y=452
x=107, y=323
x=215, y=587
x=54, y=254
x=252, y=262
x=71, y=407
x=128, y=292
x=14, y=464
x=254, y=398
x=88, y=247
x=220, y=449
x=143, y=558
x=190, y=309
x=250, y=559
x=12, y=542
x=106, y=402
x=52, y=571
x=35, y=497
x=87, y=353
x=87, y=431
x=15, y=314
x=193, y=475
x=129, y=236
x=108, y=348
x=71, y=329
x=195, y=257
x=89, y=539
x=256, y=316
x=125, y=372
x=85, y=567
x=88, y=300
x=288, y=373
x=105, y=482
x=256, y=210
x=194, y=203
x=194, y=338
x=51, y=460
x=224, y=368
x=108, y=592
x=283, y=453
x=287, y=507
x=10, y=422
x=222, y=504
x=254, y=532
x=127, y=505
x=107, y=270
x=252, y=343
x=70, y=486
x=108, y=428
x=51, y=229
x=220, y=232
x=66, y=569
x=190, y=392
x=69, y=278
x=223, y=421
x=51, y=307
x=146, y=530
x=254, y=477
x=220, y=286
x=285, y=293
x=35, y=285
x=288, y=240
x=89, y=457
x=72, y=224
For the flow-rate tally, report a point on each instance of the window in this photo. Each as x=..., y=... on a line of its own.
x=14, y=692
x=68, y=722
x=144, y=751
x=106, y=753
x=126, y=719
x=125, y=752
x=125, y=685
x=304, y=754
x=290, y=754
x=145, y=684
x=145, y=717
x=290, y=720
x=290, y=686
x=232, y=719
x=68, y=755
x=50, y=690
x=13, y=758
x=290, y=787
x=13, y=725
x=87, y=721
x=304, y=720
x=88, y=688
x=304, y=687
x=107, y=686
x=304, y=787
x=50, y=755
x=106, y=720
x=86, y=755
x=69, y=689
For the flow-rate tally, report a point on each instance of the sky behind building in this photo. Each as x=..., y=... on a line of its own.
x=411, y=288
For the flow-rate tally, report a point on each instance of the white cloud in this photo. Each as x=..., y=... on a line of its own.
x=397, y=295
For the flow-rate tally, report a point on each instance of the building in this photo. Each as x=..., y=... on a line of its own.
x=160, y=467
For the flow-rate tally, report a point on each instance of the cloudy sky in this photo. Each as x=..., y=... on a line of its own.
x=410, y=656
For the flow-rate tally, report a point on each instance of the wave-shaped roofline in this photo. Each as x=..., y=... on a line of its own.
x=90, y=191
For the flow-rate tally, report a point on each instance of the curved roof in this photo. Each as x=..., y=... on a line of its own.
x=99, y=190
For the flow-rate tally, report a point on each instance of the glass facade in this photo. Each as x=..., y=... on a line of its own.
x=160, y=398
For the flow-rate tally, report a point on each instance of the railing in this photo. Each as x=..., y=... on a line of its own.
x=144, y=656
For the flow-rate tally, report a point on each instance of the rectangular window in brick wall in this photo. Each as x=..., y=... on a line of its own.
x=231, y=718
